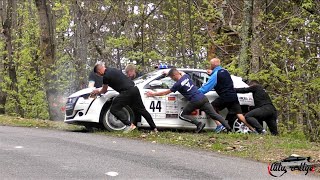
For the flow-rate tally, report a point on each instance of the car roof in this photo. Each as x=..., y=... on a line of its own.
x=184, y=69
x=237, y=80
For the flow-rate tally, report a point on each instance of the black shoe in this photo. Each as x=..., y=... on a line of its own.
x=229, y=131
x=200, y=126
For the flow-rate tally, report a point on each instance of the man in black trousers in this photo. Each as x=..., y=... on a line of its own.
x=263, y=110
x=129, y=95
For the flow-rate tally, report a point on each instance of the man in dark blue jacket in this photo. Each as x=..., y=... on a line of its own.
x=220, y=80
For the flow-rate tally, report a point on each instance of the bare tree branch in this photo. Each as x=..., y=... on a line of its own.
x=307, y=42
x=148, y=15
x=311, y=9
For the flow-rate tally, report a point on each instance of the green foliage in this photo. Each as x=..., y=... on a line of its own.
x=287, y=49
x=133, y=55
x=65, y=66
x=119, y=42
x=289, y=71
x=308, y=4
x=296, y=133
x=62, y=23
x=30, y=92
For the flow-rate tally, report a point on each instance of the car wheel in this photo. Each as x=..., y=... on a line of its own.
x=111, y=123
x=240, y=127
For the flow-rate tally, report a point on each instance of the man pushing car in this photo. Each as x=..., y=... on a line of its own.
x=197, y=100
x=129, y=95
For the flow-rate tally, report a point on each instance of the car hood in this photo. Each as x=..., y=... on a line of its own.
x=86, y=91
x=82, y=92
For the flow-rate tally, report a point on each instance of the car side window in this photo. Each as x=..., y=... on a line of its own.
x=198, y=78
x=162, y=82
x=167, y=82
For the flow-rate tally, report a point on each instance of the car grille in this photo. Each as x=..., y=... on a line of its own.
x=69, y=112
x=70, y=105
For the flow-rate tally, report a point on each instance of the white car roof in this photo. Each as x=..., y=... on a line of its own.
x=237, y=81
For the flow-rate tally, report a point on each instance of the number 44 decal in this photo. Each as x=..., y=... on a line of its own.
x=155, y=106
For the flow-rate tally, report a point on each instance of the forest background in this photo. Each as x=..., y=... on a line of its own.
x=48, y=48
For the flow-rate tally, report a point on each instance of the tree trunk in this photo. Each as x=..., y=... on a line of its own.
x=256, y=38
x=9, y=64
x=47, y=56
x=80, y=46
x=191, y=35
x=182, y=45
x=118, y=59
x=246, y=38
x=142, y=35
x=3, y=95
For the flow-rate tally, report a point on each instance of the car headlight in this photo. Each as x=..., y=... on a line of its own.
x=71, y=103
x=72, y=100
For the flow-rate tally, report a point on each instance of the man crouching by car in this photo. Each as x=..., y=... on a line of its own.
x=263, y=110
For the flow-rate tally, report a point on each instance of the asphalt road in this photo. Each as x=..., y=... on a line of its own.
x=29, y=153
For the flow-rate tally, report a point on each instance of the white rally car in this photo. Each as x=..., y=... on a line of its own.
x=89, y=111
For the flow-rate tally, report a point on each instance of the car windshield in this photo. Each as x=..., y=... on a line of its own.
x=144, y=77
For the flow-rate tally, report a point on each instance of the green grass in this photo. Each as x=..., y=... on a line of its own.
x=256, y=147
x=261, y=148
x=36, y=123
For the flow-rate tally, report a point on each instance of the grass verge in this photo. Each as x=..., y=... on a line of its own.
x=36, y=123
x=255, y=147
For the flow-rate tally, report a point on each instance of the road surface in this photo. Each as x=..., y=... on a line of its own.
x=30, y=153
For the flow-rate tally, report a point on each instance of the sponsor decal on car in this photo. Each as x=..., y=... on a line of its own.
x=171, y=98
x=171, y=115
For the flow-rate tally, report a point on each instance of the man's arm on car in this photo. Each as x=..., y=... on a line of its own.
x=210, y=84
x=103, y=90
x=91, y=84
x=161, y=93
x=245, y=89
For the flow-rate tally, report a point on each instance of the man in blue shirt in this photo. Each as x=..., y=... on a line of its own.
x=196, y=99
x=221, y=81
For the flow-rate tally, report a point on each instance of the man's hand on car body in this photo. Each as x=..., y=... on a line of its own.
x=150, y=93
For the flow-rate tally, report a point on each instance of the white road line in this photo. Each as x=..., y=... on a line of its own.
x=112, y=173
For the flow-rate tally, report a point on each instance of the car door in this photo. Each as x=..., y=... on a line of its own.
x=163, y=109
x=199, y=78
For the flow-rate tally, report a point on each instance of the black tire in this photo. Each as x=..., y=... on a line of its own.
x=111, y=123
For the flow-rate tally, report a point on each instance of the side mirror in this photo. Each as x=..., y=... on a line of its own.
x=155, y=83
